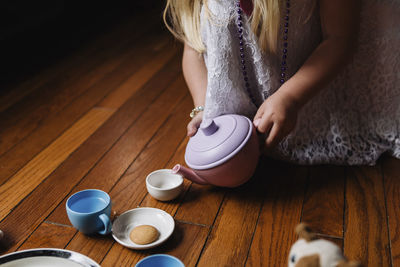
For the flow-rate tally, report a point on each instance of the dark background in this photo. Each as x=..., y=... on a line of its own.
x=36, y=34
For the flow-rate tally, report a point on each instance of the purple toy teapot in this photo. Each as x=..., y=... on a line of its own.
x=223, y=152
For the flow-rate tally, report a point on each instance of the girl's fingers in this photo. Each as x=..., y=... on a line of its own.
x=264, y=124
x=193, y=125
x=258, y=116
x=191, y=131
x=273, y=136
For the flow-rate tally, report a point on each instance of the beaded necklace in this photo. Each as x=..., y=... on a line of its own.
x=241, y=48
x=285, y=43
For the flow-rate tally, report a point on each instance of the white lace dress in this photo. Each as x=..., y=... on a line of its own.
x=352, y=121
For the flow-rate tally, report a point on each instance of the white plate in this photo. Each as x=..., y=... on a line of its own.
x=157, y=218
x=44, y=257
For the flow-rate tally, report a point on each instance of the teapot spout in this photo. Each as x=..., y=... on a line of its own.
x=189, y=174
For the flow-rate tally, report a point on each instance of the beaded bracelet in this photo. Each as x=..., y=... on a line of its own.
x=195, y=111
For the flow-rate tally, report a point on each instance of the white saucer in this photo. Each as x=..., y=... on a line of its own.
x=46, y=257
x=157, y=218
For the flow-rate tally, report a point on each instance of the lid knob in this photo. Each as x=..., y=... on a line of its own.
x=208, y=127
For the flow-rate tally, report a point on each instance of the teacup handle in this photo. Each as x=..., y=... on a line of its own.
x=107, y=224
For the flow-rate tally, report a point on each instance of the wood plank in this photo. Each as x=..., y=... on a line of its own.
x=185, y=243
x=114, y=164
x=57, y=123
x=93, y=246
x=56, y=94
x=23, y=219
x=391, y=174
x=117, y=97
x=49, y=235
x=323, y=208
x=284, y=187
x=366, y=232
x=33, y=173
x=201, y=204
x=229, y=241
x=25, y=116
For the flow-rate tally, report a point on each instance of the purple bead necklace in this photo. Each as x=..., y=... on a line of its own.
x=241, y=48
x=285, y=42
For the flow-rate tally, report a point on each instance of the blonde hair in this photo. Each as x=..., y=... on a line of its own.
x=182, y=18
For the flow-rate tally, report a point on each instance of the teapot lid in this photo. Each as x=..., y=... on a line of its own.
x=217, y=140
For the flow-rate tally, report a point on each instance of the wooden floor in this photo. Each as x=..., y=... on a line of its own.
x=116, y=109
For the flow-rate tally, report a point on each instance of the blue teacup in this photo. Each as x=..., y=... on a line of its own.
x=89, y=211
x=160, y=260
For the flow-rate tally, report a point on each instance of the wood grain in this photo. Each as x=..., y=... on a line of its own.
x=55, y=124
x=185, y=243
x=93, y=246
x=49, y=235
x=118, y=96
x=161, y=144
x=323, y=206
x=201, y=204
x=33, y=173
x=391, y=174
x=23, y=219
x=117, y=160
x=55, y=96
x=130, y=190
x=284, y=187
x=53, y=91
x=232, y=233
x=366, y=236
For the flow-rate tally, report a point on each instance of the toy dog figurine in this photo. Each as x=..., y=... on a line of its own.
x=309, y=251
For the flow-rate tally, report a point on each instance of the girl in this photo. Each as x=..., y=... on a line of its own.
x=319, y=78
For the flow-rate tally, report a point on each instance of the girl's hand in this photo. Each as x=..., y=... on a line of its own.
x=276, y=118
x=194, y=124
